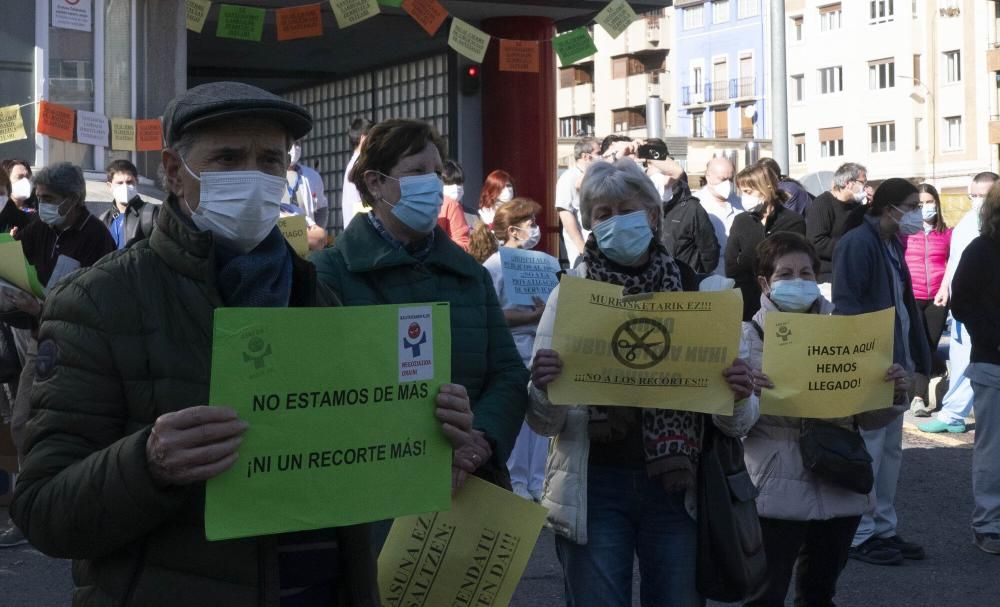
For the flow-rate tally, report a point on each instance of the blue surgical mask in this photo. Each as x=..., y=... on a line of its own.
x=794, y=295
x=624, y=239
x=49, y=213
x=420, y=200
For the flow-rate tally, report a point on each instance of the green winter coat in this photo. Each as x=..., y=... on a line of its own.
x=120, y=344
x=364, y=269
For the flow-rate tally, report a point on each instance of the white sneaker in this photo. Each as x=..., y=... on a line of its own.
x=11, y=537
x=919, y=408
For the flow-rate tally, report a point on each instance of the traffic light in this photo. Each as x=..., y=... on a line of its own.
x=470, y=80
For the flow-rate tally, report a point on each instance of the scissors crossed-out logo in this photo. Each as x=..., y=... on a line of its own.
x=415, y=337
x=784, y=333
x=257, y=351
x=640, y=343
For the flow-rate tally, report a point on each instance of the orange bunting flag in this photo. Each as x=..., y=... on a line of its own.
x=148, y=135
x=428, y=13
x=56, y=120
x=299, y=22
x=519, y=55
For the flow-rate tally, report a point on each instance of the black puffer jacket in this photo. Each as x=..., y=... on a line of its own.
x=687, y=233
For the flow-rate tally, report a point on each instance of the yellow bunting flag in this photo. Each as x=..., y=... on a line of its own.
x=616, y=17
x=428, y=13
x=149, y=135
x=349, y=12
x=56, y=120
x=467, y=40
x=11, y=124
x=197, y=12
x=519, y=55
x=299, y=22
x=123, y=134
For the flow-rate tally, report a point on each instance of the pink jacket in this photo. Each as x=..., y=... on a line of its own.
x=927, y=258
x=452, y=221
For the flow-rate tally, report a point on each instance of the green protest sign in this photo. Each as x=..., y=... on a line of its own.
x=574, y=45
x=340, y=403
x=240, y=22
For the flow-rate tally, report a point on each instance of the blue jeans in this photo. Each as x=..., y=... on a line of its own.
x=630, y=515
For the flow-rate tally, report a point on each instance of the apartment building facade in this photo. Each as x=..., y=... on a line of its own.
x=908, y=89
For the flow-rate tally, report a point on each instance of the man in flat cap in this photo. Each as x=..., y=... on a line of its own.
x=120, y=441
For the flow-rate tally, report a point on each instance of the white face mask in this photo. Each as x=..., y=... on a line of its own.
x=239, y=207
x=295, y=154
x=506, y=195
x=977, y=203
x=749, y=201
x=454, y=191
x=723, y=189
x=487, y=214
x=123, y=192
x=21, y=189
x=534, y=235
x=860, y=195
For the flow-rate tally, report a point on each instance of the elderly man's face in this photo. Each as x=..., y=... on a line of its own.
x=66, y=202
x=246, y=145
x=719, y=170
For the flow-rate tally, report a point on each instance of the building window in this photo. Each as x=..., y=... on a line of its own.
x=831, y=80
x=720, y=11
x=720, y=117
x=746, y=85
x=831, y=142
x=748, y=8
x=880, y=11
x=916, y=69
x=576, y=126
x=917, y=124
x=629, y=118
x=574, y=75
x=694, y=17
x=882, y=74
x=953, y=66
x=698, y=125
x=799, y=141
x=797, y=29
x=622, y=67
x=798, y=84
x=953, y=133
x=697, y=82
x=747, y=113
x=883, y=137
x=829, y=18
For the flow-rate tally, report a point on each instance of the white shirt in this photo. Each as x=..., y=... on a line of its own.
x=350, y=199
x=524, y=335
x=721, y=216
x=310, y=194
x=965, y=232
x=568, y=199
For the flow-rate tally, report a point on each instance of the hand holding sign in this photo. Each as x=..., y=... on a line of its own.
x=193, y=444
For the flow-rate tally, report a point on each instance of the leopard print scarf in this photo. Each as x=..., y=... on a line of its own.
x=671, y=439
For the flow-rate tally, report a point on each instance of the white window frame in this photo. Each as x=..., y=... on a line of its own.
x=879, y=71
x=953, y=66
x=881, y=11
x=689, y=17
x=698, y=118
x=798, y=87
x=836, y=80
x=834, y=145
x=747, y=8
x=950, y=144
x=798, y=26
x=718, y=16
x=826, y=20
x=918, y=124
x=800, y=148
x=882, y=136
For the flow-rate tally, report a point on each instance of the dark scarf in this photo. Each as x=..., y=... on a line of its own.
x=260, y=279
x=671, y=439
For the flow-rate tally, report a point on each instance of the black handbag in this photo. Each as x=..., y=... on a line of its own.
x=730, y=563
x=836, y=454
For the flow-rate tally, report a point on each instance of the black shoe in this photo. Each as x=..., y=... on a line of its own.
x=876, y=551
x=987, y=542
x=909, y=550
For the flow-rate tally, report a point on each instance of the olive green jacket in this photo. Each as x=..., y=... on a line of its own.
x=120, y=344
x=365, y=269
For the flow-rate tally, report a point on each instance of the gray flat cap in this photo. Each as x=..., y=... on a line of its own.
x=215, y=100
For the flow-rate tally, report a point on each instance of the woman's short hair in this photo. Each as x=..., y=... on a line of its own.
x=779, y=244
x=452, y=173
x=939, y=223
x=989, y=215
x=759, y=178
x=63, y=178
x=486, y=239
x=615, y=183
x=386, y=144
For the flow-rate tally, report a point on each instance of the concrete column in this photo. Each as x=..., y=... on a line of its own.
x=779, y=85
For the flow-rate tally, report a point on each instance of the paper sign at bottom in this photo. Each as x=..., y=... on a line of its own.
x=472, y=555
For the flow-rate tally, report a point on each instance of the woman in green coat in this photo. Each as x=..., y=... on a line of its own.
x=396, y=254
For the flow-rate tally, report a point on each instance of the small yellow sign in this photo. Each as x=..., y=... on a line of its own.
x=197, y=12
x=293, y=228
x=123, y=134
x=11, y=124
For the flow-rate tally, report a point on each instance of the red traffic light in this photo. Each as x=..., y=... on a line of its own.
x=473, y=71
x=469, y=84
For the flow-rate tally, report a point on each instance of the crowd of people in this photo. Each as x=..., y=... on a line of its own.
x=106, y=386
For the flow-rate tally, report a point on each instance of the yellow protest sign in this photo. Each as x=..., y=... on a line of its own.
x=827, y=366
x=293, y=228
x=349, y=12
x=197, y=11
x=123, y=134
x=657, y=350
x=616, y=17
x=467, y=40
x=11, y=124
x=472, y=555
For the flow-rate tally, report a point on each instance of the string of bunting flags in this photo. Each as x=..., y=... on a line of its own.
x=239, y=22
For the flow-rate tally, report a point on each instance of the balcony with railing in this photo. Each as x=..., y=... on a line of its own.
x=635, y=89
x=719, y=91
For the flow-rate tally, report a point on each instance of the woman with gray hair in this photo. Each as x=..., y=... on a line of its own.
x=620, y=481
